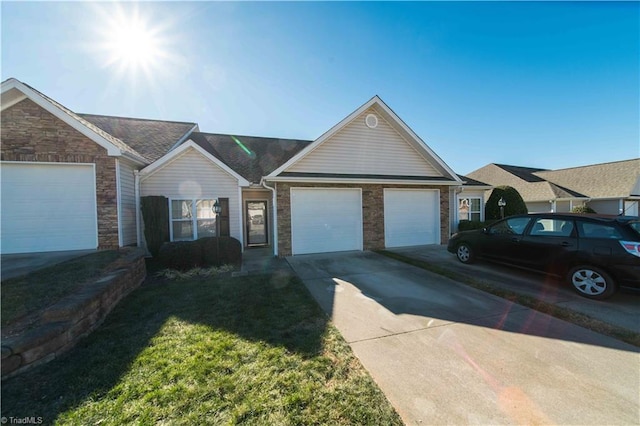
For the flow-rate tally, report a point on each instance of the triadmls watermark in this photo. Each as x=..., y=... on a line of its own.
x=27, y=420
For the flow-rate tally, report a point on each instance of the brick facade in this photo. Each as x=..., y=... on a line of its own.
x=372, y=212
x=30, y=133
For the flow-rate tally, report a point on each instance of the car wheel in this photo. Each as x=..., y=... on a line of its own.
x=465, y=253
x=592, y=282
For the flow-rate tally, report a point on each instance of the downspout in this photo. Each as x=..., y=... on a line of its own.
x=274, y=215
x=136, y=186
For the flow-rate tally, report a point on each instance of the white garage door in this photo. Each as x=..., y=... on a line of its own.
x=48, y=207
x=411, y=217
x=325, y=220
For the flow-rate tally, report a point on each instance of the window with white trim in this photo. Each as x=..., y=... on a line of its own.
x=470, y=208
x=192, y=219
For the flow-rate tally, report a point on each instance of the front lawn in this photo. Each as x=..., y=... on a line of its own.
x=250, y=350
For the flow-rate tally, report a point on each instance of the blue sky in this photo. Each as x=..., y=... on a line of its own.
x=540, y=84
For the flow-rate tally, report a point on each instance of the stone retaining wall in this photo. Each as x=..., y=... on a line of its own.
x=62, y=325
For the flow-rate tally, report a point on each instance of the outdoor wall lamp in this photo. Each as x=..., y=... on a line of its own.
x=217, y=208
x=501, y=204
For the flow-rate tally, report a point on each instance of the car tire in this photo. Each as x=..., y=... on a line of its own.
x=591, y=282
x=464, y=253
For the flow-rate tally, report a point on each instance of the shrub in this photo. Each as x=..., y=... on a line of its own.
x=514, y=203
x=202, y=253
x=583, y=209
x=230, y=251
x=180, y=255
x=155, y=212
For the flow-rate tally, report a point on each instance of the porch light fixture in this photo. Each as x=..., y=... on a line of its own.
x=501, y=204
x=217, y=208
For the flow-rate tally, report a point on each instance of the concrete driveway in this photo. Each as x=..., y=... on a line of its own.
x=445, y=353
x=622, y=310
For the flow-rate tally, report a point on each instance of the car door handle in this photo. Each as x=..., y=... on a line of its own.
x=515, y=240
x=565, y=244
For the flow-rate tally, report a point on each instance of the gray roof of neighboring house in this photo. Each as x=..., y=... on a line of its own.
x=151, y=138
x=607, y=180
x=472, y=182
x=251, y=157
x=524, y=173
x=615, y=179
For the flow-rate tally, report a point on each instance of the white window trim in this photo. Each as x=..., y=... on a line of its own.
x=194, y=217
x=481, y=204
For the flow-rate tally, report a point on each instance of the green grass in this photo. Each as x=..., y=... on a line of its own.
x=246, y=350
x=27, y=294
x=559, y=312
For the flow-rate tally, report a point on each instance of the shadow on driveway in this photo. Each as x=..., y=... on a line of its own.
x=446, y=353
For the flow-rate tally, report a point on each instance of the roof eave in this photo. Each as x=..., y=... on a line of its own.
x=358, y=180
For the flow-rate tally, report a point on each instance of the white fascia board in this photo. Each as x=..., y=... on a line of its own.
x=184, y=137
x=359, y=181
x=168, y=157
x=326, y=135
x=12, y=83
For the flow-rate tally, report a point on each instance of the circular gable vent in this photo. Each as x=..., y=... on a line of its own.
x=371, y=121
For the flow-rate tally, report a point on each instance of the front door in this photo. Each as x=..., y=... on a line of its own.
x=256, y=223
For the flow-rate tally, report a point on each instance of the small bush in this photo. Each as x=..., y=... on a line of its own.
x=202, y=253
x=180, y=255
x=583, y=209
x=230, y=251
x=514, y=203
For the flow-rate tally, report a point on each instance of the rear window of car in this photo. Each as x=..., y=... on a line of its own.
x=598, y=230
x=635, y=226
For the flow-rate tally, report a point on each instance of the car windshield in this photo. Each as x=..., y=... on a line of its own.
x=635, y=225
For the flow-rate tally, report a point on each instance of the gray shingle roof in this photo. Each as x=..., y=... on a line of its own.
x=525, y=173
x=251, y=157
x=472, y=182
x=106, y=135
x=607, y=180
x=151, y=138
x=616, y=179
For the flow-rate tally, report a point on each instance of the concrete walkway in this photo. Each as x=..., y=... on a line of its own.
x=444, y=353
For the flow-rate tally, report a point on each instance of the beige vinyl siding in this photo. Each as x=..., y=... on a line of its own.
x=539, y=207
x=357, y=149
x=192, y=176
x=127, y=203
x=605, y=206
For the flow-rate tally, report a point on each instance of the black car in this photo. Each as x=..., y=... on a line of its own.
x=596, y=253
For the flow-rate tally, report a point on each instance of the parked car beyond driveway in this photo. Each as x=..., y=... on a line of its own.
x=595, y=253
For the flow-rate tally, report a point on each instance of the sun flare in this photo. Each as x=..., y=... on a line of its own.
x=130, y=43
x=134, y=45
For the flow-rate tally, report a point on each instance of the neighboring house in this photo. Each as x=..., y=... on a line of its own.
x=74, y=181
x=608, y=188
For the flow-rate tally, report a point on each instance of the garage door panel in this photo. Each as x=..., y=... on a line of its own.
x=48, y=207
x=411, y=217
x=325, y=220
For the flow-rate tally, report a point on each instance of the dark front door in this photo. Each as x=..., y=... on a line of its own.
x=256, y=222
